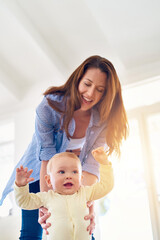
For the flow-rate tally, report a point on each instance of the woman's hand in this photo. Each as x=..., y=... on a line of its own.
x=91, y=217
x=43, y=216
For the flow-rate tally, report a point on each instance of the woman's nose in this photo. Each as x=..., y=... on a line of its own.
x=91, y=91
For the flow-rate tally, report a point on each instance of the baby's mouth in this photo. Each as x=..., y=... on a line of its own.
x=68, y=184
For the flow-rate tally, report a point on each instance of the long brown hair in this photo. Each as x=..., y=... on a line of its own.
x=110, y=107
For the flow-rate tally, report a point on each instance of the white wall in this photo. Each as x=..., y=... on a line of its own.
x=9, y=227
x=23, y=116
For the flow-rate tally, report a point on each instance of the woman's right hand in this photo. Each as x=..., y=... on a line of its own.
x=43, y=216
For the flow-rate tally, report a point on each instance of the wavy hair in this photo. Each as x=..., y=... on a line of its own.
x=111, y=108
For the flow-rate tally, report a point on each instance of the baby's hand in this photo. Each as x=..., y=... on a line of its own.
x=23, y=176
x=100, y=155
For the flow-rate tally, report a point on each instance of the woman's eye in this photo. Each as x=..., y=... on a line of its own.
x=100, y=90
x=87, y=84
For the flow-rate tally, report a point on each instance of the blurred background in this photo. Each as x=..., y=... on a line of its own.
x=41, y=43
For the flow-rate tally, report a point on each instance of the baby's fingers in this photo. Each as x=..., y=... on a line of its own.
x=30, y=180
x=30, y=172
x=19, y=169
x=28, y=176
x=99, y=150
x=26, y=169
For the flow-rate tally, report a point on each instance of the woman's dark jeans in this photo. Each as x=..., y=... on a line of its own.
x=31, y=229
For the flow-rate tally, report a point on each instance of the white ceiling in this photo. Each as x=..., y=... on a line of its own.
x=44, y=41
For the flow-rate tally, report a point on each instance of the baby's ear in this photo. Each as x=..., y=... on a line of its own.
x=82, y=178
x=48, y=180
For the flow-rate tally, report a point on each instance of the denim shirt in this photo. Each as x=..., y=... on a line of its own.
x=49, y=139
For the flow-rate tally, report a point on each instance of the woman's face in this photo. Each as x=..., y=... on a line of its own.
x=91, y=88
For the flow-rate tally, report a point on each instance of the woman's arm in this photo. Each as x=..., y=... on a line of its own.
x=43, y=172
x=43, y=212
x=89, y=179
x=45, y=123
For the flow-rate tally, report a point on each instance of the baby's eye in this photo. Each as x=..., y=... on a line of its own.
x=61, y=172
x=75, y=171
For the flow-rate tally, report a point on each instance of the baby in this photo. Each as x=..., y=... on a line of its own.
x=67, y=201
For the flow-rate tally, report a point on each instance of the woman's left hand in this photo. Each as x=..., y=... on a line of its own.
x=91, y=217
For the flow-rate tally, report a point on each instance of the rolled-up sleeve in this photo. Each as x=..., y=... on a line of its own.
x=44, y=128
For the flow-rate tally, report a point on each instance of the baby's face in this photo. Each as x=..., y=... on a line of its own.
x=66, y=175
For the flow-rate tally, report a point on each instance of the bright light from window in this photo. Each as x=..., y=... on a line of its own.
x=154, y=136
x=129, y=204
x=142, y=94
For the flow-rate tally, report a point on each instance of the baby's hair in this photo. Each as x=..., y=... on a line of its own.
x=59, y=155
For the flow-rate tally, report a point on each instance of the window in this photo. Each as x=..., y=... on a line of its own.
x=131, y=210
x=154, y=136
x=128, y=216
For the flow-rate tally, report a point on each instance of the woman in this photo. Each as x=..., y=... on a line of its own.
x=83, y=114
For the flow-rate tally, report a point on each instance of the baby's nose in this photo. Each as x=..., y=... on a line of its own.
x=68, y=176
